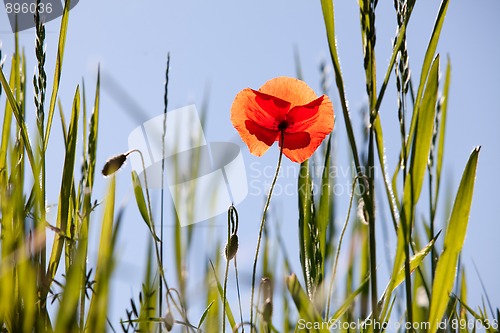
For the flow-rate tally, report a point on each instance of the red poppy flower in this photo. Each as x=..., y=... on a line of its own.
x=286, y=108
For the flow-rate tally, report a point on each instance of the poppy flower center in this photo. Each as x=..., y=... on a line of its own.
x=283, y=125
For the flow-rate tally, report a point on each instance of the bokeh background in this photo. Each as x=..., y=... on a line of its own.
x=219, y=48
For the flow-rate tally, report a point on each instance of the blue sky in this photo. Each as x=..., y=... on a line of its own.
x=230, y=45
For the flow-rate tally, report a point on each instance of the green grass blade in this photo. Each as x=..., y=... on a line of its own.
x=418, y=166
x=349, y=301
x=67, y=185
x=329, y=18
x=28, y=293
x=442, y=131
x=389, y=188
x=84, y=122
x=96, y=321
x=415, y=262
x=213, y=320
x=58, y=70
x=453, y=242
x=141, y=203
x=324, y=216
x=93, y=133
x=423, y=137
x=89, y=185
x=149, y=295
x=6, y=130
x=306, y=220
x=20, y=120
x=67, y=315
x=63, y=123
x=306, y=309
x=463, y=295
x=427, y=65
x=204, y=315
x=229, y=313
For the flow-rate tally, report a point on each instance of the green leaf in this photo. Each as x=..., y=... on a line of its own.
x=454, y=238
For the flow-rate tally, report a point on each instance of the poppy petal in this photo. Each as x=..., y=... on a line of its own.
x=297, y=140
x=263, y=134
x=253, y=123
x=287, y=104
x=262, y=108
x=274, y=106
x=318, y=129
x=289, y=89
x=302, y=117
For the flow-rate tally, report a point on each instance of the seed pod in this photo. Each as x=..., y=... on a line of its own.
x=113, y=164
x=168, y=321
x=231, y=247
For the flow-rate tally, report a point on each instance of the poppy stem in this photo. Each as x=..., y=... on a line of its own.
x=266, y=206
x=229, y=212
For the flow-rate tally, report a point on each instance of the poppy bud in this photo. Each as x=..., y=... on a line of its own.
x=113, y=164
x=231, y=247
x=168, y=321
x=267, y=311
x=266, y=286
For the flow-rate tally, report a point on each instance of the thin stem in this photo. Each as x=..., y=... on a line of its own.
x=432, y=229
x=40, y=83
x=337, y=254
x=229, y=212
x=409, y=305
x=371, y=225
x=239, y=296
x=157, y=250
x=406, y=224
x=262, y=229
x=165, y=103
